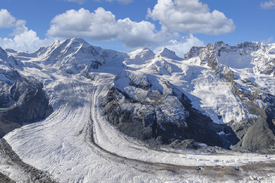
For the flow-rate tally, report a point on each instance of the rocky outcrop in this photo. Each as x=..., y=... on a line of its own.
x=155, y=111
x=255, y=134
x=29, y=102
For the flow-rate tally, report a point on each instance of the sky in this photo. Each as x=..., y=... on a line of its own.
x=126, y=25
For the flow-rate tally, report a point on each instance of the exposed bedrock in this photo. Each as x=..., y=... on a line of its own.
x=23, y=101
x=153, y=110
x=255, y=134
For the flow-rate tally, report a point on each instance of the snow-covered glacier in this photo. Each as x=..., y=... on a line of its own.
x=145, y=117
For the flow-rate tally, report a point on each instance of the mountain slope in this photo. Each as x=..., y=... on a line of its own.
x=22, y=99
x=248, y=67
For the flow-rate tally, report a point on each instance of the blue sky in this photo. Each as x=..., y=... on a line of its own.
x=126, y=25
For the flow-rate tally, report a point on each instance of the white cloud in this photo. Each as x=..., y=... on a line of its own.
x=268, y=5
x=23, y=39
x=190, y=16
x=183, y=46
x=120, y=1
x=101, y=25
x=19, y=28
x=267, y=41
x=26, y=41
x=6, y=19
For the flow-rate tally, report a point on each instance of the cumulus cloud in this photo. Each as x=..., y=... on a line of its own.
x=101, y=25
x=6, y=19
x=23, y=39
x=268, y=5
x=26, y=41
x=120, y=1
x=181, y=47
x=190, y=16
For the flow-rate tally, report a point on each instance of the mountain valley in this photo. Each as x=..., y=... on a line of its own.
x=80, y=113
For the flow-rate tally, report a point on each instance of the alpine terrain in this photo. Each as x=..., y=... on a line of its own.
x=73, y=112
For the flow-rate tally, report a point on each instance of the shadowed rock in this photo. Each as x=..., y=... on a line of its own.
x=155, y=111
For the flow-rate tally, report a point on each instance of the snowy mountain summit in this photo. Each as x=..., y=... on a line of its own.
x=164, y=52
x=143, y=54
x=72, y=55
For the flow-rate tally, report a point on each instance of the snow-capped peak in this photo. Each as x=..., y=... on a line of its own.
x=79, y=40
x=70, y=42
x=61, y=49
x=165, y=52
x=76, y=42
x=143, y=53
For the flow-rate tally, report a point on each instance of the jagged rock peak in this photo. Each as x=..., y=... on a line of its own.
x=218, y=44
x=250, y=45
x=221, y=46
x=165, y=52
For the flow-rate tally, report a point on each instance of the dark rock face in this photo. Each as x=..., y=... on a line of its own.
x=7, y=126
x=30, y=103
x=255, y=135
x=22, y=100
x=155, y=111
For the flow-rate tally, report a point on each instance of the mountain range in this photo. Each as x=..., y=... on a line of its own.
x=217, y=97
